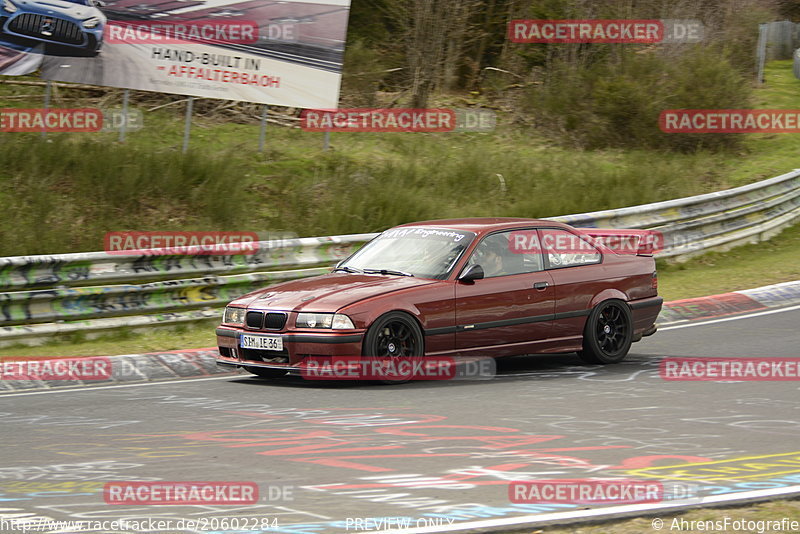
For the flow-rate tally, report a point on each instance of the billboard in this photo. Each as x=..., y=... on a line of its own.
x=282, y=52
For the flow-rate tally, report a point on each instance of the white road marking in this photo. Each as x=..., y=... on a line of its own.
x=599, y=513
x=209, y=4
x=95, y=388
x=725, y=319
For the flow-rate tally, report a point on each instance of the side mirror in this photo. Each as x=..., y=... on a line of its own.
x=471, y=273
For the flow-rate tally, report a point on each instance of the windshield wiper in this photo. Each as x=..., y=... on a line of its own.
x=387, y=271
x=347, y=269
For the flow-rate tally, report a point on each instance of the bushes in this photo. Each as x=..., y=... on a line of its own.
x=616, y=101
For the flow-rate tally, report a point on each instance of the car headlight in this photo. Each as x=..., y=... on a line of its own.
x=234, y=315
x=88, y=23
x=334, y=321
x=9, y=6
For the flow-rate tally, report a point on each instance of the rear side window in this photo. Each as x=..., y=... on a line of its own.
x=565, y=249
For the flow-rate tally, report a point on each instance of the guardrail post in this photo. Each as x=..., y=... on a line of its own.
x=796, y=64
x=187, y=127
x=47, y=90
x=125, y=95
x=263, y=133
x=761, y=52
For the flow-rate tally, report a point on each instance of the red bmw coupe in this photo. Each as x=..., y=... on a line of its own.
x=453, y=288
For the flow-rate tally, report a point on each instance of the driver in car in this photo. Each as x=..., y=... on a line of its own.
x=492, y=256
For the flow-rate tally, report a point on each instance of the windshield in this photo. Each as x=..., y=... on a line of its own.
x=422, y=252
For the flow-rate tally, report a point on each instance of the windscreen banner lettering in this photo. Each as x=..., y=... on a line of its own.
x=425, y=233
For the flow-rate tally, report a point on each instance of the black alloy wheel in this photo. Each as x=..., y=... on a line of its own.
x=608, y=333
x=394, y=342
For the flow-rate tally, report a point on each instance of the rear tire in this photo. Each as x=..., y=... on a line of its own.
x=608, y=333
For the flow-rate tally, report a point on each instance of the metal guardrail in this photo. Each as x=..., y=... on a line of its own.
x=90, y=292
x=713, y=221
x=87, y=268
x=781, y=37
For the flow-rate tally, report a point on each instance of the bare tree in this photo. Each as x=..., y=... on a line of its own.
x=434, y=34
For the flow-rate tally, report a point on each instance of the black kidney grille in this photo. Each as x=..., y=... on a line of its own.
x=275, y=321
x=254, y=319
x=268, y=321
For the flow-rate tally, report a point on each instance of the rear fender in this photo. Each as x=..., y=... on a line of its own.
x=607, y=294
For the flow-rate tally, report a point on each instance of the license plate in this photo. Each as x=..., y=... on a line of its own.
x=261, y=342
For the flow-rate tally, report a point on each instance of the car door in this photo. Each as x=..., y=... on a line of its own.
x=578, y=275
x=507, y=307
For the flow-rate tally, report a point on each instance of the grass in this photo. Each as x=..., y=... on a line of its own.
x=65, y=192
x=123, y=341
x=769, y=155
x=744, y=267
x=64, y=195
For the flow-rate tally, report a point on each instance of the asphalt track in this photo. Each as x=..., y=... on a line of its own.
x=431, y=456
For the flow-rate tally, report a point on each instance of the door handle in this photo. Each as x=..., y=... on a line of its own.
x=540, y=285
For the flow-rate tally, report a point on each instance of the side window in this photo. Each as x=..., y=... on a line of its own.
x=565, y=249
x=498, y=256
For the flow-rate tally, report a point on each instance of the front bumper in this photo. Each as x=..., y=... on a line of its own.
x=297, y=346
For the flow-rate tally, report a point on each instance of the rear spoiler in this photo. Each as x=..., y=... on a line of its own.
x=638, y=242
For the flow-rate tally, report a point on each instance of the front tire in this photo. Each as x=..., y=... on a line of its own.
x=608, y=333
x=392, y=337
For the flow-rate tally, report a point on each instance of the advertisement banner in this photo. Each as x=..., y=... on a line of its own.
x=286, y=53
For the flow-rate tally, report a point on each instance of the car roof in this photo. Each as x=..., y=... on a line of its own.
x=482, y=225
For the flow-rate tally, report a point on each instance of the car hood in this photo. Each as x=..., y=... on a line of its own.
x=326, y=293
x=58, y=8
